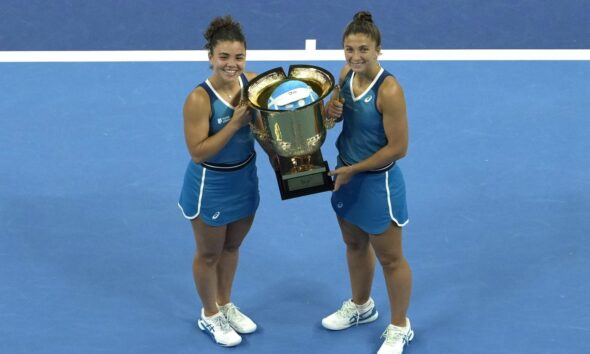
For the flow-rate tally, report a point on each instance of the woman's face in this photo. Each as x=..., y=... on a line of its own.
x=361, y=52
x=228, y=59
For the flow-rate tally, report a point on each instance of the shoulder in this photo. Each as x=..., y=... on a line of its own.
x=197, y=99
x=391, y=88
x=197, y=96
x=343, y=72
x=390, y=96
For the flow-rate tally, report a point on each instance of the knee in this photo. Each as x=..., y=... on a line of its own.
x=231, y=248
x=356, y=245
x=391, y=261
x=207, y=259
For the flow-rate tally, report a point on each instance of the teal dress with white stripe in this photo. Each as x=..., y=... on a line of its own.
x=225, y=188
x=371, y=200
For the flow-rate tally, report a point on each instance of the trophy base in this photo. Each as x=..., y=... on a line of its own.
x=298, y=184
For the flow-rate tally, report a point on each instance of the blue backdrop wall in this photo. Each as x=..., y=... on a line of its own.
x=406, y=24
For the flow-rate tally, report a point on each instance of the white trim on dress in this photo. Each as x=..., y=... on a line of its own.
x=219, y=96
x=368, y=88
x=200, y=198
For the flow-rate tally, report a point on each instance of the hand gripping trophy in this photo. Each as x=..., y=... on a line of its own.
x=293, y=125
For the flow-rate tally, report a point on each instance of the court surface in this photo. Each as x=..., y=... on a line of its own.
x=96, y=255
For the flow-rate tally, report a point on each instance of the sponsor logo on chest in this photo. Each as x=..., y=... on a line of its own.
x=223, y=120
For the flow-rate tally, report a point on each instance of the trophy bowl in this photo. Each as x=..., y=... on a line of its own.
x=297, y=135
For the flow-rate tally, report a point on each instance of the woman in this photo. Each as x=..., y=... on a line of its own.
x=220, y=191
x=369, y=192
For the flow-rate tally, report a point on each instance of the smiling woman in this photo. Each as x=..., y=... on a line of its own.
x=220, y=191
x=369, y=191
x=227, y=62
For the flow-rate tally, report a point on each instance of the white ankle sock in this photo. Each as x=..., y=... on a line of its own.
x=212, y=316
x=364, y=306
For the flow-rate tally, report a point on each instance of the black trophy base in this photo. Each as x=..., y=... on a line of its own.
x=304, y=183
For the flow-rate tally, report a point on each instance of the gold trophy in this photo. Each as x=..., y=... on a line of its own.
x=295, y=135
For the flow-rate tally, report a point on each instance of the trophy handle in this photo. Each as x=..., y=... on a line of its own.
x=330, y=122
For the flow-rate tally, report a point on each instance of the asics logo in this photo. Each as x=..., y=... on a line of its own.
x=208, y=326
x=216, y=215
x=359, y=317
x=340, y=205
x=408, y=337
x=368, y=99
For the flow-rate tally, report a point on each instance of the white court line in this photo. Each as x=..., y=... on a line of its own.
x=310, y=53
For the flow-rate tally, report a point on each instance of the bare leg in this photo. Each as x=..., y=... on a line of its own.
x=396, y=270
x=210, y=241
x=228, y=263
x=361, y=261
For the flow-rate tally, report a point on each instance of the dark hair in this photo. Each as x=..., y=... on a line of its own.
x=362, y=23
x=223, y=29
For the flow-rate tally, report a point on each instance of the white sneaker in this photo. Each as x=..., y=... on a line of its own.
x=350, y=315
x=396, y=338
x=237, y=320
x=219, y=329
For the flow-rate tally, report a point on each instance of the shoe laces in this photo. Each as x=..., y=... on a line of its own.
x=231, y=312
x=221, y=323
x=394, y=334
x=349, y=309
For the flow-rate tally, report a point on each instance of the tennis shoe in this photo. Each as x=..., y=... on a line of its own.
x=237, y=320
x=396, y=338
x=349, y=315
x=219, y=329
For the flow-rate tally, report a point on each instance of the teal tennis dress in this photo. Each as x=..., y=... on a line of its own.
x=225, y=188
x=371, y=200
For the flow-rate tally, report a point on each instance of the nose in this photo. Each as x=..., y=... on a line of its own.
x=232, y=62
x=355, y=55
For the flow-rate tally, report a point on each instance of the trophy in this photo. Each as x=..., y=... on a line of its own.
x=294, y=135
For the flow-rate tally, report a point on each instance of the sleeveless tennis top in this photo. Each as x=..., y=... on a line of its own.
x=362, y=131
x=241, y=145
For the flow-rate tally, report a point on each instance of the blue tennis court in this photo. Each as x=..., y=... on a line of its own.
x=95, y=255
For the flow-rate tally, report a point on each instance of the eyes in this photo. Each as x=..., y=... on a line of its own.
x=362, y=49
x=224, y=57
